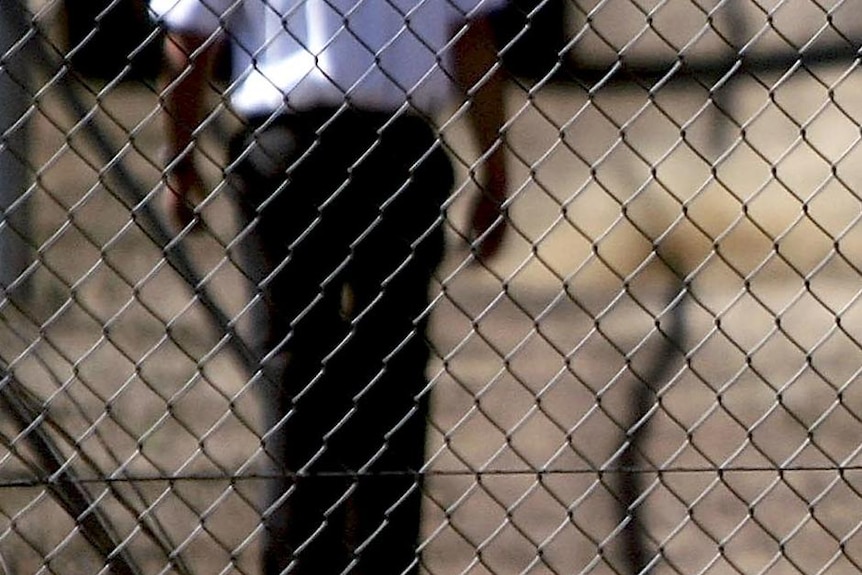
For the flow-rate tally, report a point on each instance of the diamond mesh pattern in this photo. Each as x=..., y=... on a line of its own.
x=660, y=371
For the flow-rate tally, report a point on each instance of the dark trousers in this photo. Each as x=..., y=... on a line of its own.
x=346, y=217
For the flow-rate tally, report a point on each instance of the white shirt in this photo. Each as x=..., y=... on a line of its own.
x=295, y=54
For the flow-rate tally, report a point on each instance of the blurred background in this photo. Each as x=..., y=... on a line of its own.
x=677, y=306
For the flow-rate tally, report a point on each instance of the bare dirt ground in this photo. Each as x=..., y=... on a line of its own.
x=752, y=461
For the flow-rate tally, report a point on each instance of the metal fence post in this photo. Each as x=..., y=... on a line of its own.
x=14, y=128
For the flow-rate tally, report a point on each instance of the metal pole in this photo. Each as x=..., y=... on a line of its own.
x=15, y=61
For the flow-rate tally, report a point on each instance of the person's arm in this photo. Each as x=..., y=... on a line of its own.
x=475, y=56
x=188, y=76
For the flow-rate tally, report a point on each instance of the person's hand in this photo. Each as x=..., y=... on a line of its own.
x=488, y=221
x=184, y=189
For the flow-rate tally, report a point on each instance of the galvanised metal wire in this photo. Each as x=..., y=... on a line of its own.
x=658, y=374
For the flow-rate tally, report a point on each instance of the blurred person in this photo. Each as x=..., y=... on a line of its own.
x=340, y=177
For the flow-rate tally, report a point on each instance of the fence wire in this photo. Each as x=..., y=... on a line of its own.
x=659, y=373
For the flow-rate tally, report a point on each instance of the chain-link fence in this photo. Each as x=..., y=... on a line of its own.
x=657, y=373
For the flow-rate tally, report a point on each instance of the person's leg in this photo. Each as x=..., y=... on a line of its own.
x=351, y=384
x=300, y=246
x=387, y=354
